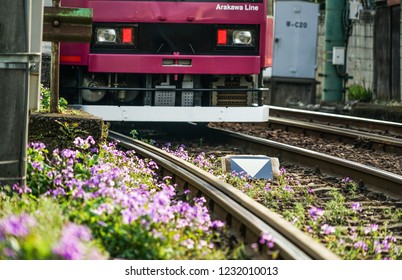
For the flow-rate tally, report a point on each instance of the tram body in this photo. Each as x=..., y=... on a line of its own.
x=170, y=61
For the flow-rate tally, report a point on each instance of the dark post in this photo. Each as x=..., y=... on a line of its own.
x=14, y=68
x=54, y=69
x=63, y=25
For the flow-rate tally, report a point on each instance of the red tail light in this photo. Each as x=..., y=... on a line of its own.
x=222, y=37
x=127, y=35
x=70, y=58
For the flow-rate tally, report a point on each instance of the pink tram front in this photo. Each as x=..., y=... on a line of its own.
x=170, y=61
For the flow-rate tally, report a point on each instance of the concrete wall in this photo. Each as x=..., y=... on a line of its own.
x=360, y=59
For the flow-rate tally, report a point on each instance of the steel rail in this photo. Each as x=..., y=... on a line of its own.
x=348, y=121
x=373, y=178
x=379, y=142
x=291, y=242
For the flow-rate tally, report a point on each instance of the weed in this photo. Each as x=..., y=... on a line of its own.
x=359, y=93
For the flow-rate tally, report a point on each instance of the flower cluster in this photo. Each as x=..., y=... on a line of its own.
x=315, y=212
x=16, y=225
x=22, y=237
x=121, y=200
x=236, y=178
x=73, y=244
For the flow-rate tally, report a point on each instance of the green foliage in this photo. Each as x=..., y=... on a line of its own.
x=134, y=134
x=336, y=209
x=68, y=132
x=359, y=93
x=40, y=181
x=297, y=216
x=45, y=100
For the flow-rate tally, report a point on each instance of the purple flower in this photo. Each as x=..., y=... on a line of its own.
x=74, y=231
x=73, y=244
x=347, y=180
x=70, y=249
x=201, y=161
x=390, y=238
x=254, y=246
x=84, y=144
x=385, y=245
x=200, y=200
x=18, y=226
x=377, y=247
x=327, y=229
x=37, y=165
x=315, y=212
x=176, y=237
x=104, y=208
x=362, y=245
x=267, y=239
x=288, y=188
x=387, y=242
x=356, y=206
x=188, y=243
x=217, y=224
x=372, y=228
x=21, y=190
x=246, y=187
x=67, y=153
x=37, y=146
x=56, y=192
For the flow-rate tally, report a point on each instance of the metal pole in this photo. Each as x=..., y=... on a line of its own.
x=54, y=70
x=36, y=44
x=14, y=83
x=334, y=37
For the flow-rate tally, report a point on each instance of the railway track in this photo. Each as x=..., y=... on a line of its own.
x=382, y=127
x=373, y=178
x=374, y=134
x=378, y=194
x=336, y=144
x=307, y=172
x=245, y=217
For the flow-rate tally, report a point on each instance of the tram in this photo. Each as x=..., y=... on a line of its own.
x=171, y=61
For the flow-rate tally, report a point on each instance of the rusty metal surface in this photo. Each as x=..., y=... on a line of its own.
x=67, y=24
